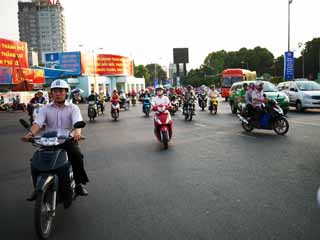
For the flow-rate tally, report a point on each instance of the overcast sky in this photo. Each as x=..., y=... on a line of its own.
x=148, y=30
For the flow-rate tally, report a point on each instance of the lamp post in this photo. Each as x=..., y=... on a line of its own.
x=289, y=3
x=301, y=45
x=93, y=65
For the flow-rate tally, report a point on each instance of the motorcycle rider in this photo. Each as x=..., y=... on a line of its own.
x=101, y=100
x=93, y=97
x=189, y=95
x=160, y=98
x=37, y=99
x=60, y=115
x=115, y=97
x=258, y=99
x=248, y=98
x=213, y=93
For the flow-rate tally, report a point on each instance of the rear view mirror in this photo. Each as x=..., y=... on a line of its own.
x=80, y=124
x=293, y=90
x=24, y=123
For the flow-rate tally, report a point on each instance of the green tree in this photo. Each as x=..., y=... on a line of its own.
x=141, y=71
x=155, y=71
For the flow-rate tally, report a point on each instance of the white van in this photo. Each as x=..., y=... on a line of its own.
x=302, y=94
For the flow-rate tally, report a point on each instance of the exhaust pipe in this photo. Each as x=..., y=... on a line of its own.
x=242, y=119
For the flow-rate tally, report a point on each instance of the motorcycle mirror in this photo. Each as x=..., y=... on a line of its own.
x=80, y=124
x=24, y=123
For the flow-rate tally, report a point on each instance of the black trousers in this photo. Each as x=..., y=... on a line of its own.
x=75, y=157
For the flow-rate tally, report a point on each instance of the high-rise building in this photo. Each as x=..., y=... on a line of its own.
x=42, y=26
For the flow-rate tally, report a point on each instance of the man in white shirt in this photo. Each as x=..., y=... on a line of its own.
x=258, y=98
x=160, y=99
x=60, y=116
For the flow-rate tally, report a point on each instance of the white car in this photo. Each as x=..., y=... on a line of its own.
x=302, y=94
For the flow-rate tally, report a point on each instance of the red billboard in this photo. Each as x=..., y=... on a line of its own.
x=107, y=64
x=32, y=76
x=13, y=53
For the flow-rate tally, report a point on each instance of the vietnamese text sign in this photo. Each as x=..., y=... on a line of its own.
x=108, y=64
x=5, y=75
x=289, y=66
x=13, y=53
x=33, y=76
x=69, y=61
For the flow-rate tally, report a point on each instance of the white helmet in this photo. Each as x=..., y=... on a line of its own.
x=160, y=87
x=259, y=83
x=60, y=84
x=40, y=91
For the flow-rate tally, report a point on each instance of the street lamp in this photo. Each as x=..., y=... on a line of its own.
x=93, y=65
x=289, y=3
x=300, y=44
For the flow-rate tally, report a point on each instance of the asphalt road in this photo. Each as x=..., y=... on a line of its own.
x=214, y=181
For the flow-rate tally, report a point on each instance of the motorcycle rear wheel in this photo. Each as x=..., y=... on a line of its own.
x=281, y=126
x=43, y=219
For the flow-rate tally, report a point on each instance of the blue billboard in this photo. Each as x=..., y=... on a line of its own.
x=5, y=75
x=68, y=61
x=288, y=66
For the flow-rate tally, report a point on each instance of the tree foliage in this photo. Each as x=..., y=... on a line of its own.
x=141, y=71
x=155, y=71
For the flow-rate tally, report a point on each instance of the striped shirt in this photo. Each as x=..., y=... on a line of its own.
x=60, y=119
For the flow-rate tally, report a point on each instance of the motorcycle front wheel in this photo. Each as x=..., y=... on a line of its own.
x=43, y=217
x=247, y=127
x=281, y=126
x=165, y=139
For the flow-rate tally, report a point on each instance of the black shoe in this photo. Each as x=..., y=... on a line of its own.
x=32, y=197
x=81, y=191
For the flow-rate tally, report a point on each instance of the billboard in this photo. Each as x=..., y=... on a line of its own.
x=13, y=53
x=32, y=76
x=5, y=75
x=180, y=55
x=69, y=61
x=288, y=66
x=108, y=64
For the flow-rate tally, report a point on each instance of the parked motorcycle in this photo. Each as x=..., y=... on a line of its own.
x=163, y=124
x=202, y=100
x=213, y=108
x=92, y=110
x=115, y=110
x=188, y=110
x=52, y=176
x=146, y=105
x=273, y=119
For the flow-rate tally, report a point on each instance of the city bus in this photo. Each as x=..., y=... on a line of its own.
x=230, y=76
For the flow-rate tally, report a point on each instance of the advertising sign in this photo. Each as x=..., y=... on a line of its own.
x=13, y=53
x=5, y=75
x=69, y=61
x=180, y=55
x=33, y=76
x=87, y=64
x=288, y=66
x=108, y=64
x=155, y=82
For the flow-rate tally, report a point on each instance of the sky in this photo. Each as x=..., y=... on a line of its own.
x=148, y=30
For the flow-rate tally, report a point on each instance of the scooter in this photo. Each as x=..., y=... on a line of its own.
x=115, y=109
x=188, y=110
x=273, y=119
x=174, y=107
x=202, y=100
x=134, y=100
x=52, y=177
x=213, y=108
x=92, y=110
x=146, y=106
x=163, y=124
x=124, y=103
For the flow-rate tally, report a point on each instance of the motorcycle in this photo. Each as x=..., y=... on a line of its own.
x=179, y=98
x=52, y=176
x=174, y=107
x=163, y=124
x=213, y=105
x=202, y=100
x=92, y=110
x=188, y=110
x=273, y=118
x=35, y=112
x=124, y=103
x=146, y=106
x=115, y=109
x=134, y=100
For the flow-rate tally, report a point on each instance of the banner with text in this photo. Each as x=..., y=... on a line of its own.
x=289, y=66
x=69, y=61
x=5, y=75
x=13, y=53
x=33, y=76
x=108, y=64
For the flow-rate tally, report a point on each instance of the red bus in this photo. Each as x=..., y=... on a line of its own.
x=230, y=76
